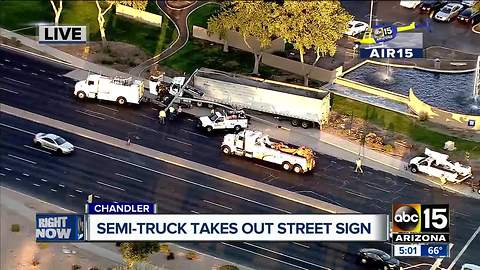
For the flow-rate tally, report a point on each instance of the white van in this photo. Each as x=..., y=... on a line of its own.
x=469, y=266
x=410, y=3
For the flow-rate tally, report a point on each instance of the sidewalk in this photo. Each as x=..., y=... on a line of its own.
x=19, y=248
x=320, y=141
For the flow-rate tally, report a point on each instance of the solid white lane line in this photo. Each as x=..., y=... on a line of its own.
x=219, y=205
x=44, y=180
x=101, y=118
x=186, y=181
x=13, y=80
x=36, y=149
x=357, y=194
x=26, y=174
x=288, y=256
x=111, y=186
x=175, y=140
x=37, y=185
x=302, y=245
x=265, y=256
x=19, y=129
x=129, y=177
x=33, y=73
x=195, y=212
x=375, y=187
x=105, y=107
x=8, y=90
x=23, y=159
x=194, y=133
x=15, y=68
x=54, y=190
x=7, y=169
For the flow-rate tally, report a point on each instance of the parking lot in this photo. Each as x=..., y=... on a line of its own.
x=452, y=35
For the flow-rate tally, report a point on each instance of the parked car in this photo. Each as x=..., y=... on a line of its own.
x=356, y=27
x=429, y=6
x=410, y=3
x=53, y=142
x=448, y=12
x=377, y=259
x=469, y=3
x=469, y=16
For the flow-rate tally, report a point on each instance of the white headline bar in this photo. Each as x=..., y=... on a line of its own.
x=152, y=227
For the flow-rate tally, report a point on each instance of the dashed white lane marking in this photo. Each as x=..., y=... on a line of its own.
x=54, y=190
x=89, y=114
x=33, y=73
x=6, y=60
x=379, y=188
x=50, y=78
x=19, y=129
x=108, y=108
x=59, y=75
x=2, y=174
x=61, y=185
x=15, y=68
x=26, y=174
x=195, y=212
x=178, y=141
x=148, y=117
x=44, y=180
x=13, y=80
x=8, y=90
x=219, y=205
x=129, y=177
x=18, y=179
x=265, y=256
x=96, y=196
x=23, y=159
x=2, y=64
x=302, y=245
x=357, y=194
x=70, y=195
x=65, y=82
x=78, y=190
x=7, y=169
x=41, y=70
x=37, y=185
x=24, y=65
x=194, y=133
x=110, y=186
x=36, y=149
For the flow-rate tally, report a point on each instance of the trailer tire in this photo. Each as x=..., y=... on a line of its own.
x=295, y=122
x=286, y=166
x=121, y=101
x=81, y=95
x=297, y=169
x=237, y=128
x=199, y=104
x=209, y=128
x=226, y=150
x=305, y=124
x=414, y=169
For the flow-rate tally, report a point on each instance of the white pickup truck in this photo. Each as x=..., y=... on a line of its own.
x=236, y=120
x=438, y=165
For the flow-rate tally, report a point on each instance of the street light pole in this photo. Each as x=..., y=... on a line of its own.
x=371, y=13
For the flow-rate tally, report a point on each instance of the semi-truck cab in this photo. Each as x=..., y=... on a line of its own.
x=255, y=144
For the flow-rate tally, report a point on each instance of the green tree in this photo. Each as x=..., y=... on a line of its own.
x=57, y=10
x=314, y=25
x=135, y=252
x=256, y=19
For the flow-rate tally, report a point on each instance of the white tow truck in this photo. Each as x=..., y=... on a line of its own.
x=232, y=119
x=255, y=144
x=438, y=165
x=120, y=90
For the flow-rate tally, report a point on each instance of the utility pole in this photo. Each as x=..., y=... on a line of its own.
x=371, y=14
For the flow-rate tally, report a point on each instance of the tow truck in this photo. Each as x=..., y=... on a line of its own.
x=438, y=165
x=255, y=144
x=232, y=119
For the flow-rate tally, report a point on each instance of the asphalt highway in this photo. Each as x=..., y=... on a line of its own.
x=38, y=86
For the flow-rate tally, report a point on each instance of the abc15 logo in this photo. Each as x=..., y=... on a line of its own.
x=420, y=218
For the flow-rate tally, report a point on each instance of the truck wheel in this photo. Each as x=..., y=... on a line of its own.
x=199, y=104
x=237, y=128
x=121, y=100
x=414, y=169
x=209, y=129
x=81, y=95
x=297, y=169
x=295, y=122
x=226, y=150
x=286, y=166
x=305, y=124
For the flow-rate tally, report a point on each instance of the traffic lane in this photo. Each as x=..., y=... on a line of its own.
x=23, y=61
x=61, y=168
x=151, y=171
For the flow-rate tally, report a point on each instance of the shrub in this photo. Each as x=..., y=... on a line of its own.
x=228, y=267
x=15, y=228
x=35, y=261
x=76, y=267
x=191, y=255
x=423, y=116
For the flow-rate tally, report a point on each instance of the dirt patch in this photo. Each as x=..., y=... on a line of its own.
x=13, y=42
x=117, y=55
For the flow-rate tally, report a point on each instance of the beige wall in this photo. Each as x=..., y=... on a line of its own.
x=372, y=90
x=139, y=15
x=442, y=117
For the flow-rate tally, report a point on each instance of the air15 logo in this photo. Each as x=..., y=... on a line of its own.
x=420, y=218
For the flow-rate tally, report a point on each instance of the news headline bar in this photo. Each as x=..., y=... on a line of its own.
x=161, y=227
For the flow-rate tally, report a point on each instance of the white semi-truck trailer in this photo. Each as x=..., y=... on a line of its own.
x=302, y=106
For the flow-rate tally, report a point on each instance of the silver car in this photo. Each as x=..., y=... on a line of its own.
x=448, y=12
x=53, y=142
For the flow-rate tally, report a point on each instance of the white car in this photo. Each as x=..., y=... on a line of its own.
x=448, y=12
x=410, y=3
x=356, y=27
x=469, y=3
x=53, y=142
